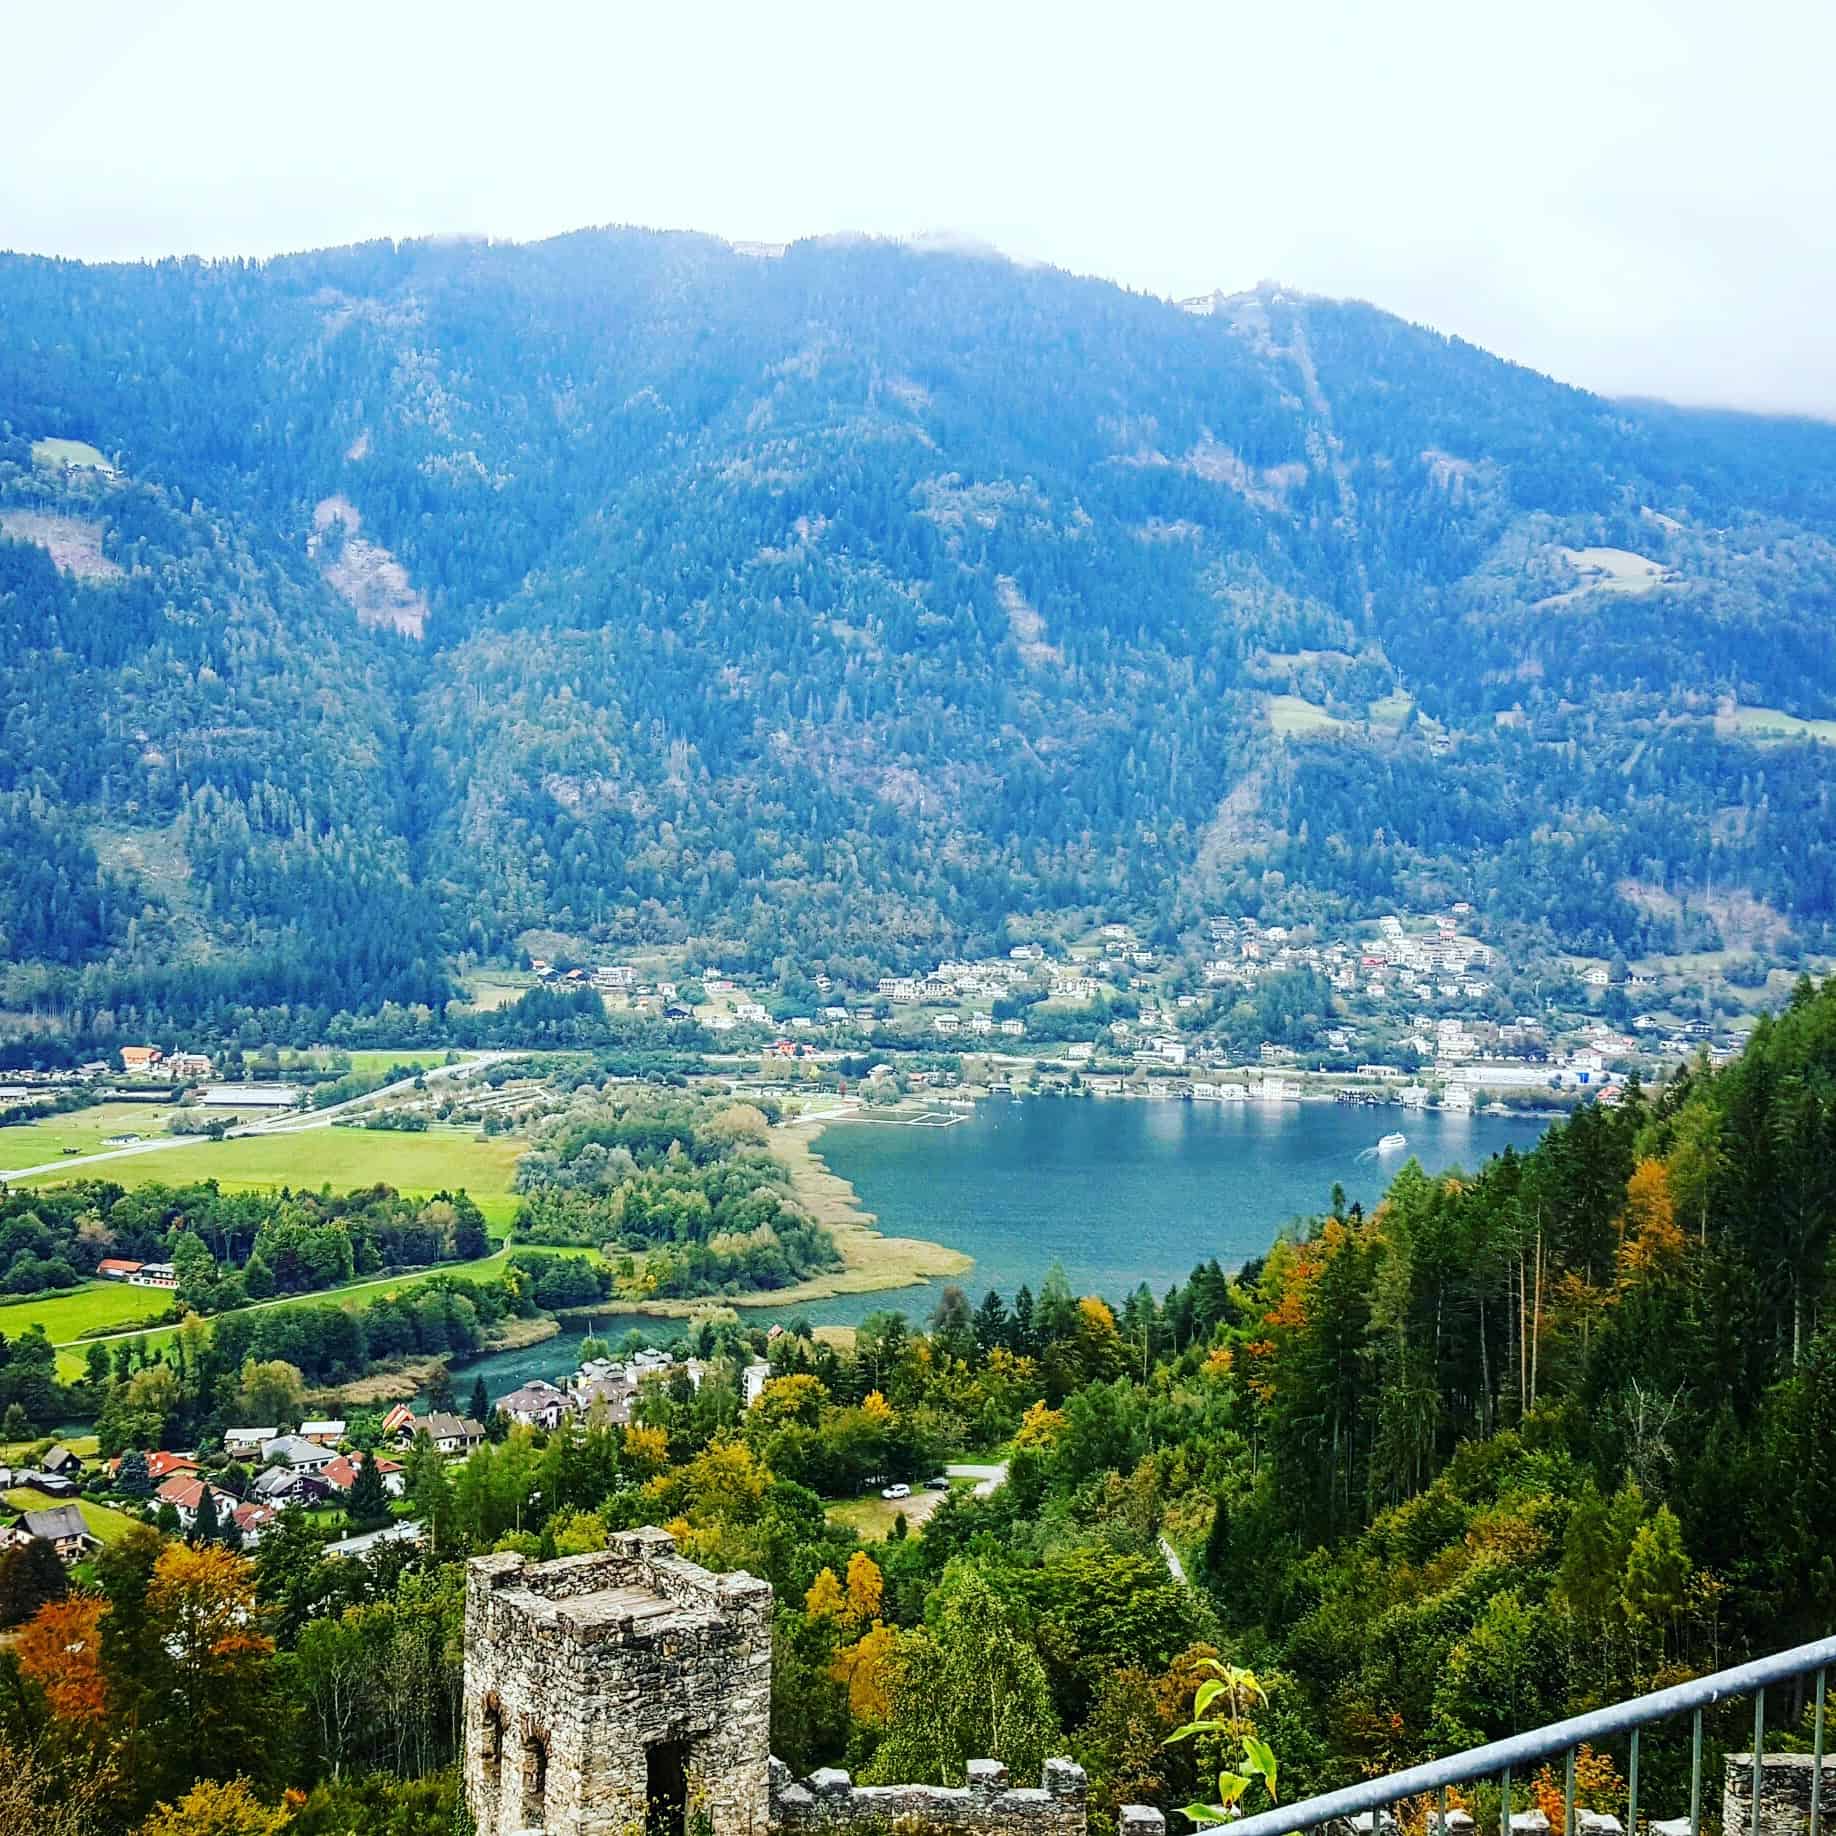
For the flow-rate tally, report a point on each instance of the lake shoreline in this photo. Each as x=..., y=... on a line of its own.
x=872, y=1262
x=403, y=1381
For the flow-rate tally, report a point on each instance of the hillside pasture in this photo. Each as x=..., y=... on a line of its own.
x=68, y=452
x=1611, y=570
x=490, y=989
x=1763, y=725
x=1291, y=715
x=105, y=1523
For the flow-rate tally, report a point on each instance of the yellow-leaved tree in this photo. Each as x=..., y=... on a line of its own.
x=214, y=1809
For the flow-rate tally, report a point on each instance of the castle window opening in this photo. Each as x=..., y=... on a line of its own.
x=535, y=1780
x=493, y=1741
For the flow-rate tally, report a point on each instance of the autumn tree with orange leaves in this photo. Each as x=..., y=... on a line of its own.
x=217, y=1686
x=60, y=1650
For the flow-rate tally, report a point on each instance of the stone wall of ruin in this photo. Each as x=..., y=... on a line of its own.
x=829, y=1803
x=1785, y=1793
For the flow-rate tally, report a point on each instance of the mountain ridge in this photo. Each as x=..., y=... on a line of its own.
x=852, y=605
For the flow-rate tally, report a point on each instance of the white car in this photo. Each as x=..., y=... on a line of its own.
x=895, y=1491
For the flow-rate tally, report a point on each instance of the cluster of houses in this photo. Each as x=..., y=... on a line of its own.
x=605, y=1389
x=151, y=1062
x=1438, y=962
x=616, y=979
x=308, y=1468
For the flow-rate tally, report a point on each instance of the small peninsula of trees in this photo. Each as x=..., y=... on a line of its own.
x=688, y=1191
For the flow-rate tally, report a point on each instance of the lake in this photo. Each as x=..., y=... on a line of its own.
x=1118, y=1192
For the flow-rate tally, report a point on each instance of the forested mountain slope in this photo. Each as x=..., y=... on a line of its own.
x=841, y=605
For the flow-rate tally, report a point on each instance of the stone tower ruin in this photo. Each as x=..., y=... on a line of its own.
x=628, y=1693
x=621, y=1691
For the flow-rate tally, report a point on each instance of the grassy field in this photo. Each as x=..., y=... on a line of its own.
x=19, y=1453
x=95, y=1305
x=66, y=452
x=357, y=1294
x=1294, y=714
x=448, y=1158
x=374, y=1061
x=1771, y=724
x=106, y=1523
x=340, y=1157
x=871, y=1518
x=490, y=989
x=28, y=1144
x=1390, y=711
x=1306, y=659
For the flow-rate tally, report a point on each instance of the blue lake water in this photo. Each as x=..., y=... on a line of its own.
x=1117, y=1192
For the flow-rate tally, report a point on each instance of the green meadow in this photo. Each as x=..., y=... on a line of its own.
x=342, y=1158
x=30, y=1144
x=106, y=1523
x=442, y=1158
x=66, y=452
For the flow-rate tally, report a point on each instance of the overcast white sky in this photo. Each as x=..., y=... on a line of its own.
x=1635, y=196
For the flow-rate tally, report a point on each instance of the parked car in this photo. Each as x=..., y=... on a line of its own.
x=895, y=1491
x=939, y=1484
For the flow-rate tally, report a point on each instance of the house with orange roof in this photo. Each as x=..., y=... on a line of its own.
x=184, y=1492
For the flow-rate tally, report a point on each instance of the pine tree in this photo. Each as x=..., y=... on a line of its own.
x=479, y=1407
x=205, y=1525
x=368, y=1502
x=1023, y=1336
x=1217, y=1543
x=991, y=1323
x=132, y=1476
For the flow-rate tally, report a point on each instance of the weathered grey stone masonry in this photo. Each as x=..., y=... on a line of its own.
x=629, y=1691
x=1785, y=1794
x=605, y=1689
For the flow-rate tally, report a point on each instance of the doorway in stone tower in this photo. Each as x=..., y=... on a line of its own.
x=666, y=1788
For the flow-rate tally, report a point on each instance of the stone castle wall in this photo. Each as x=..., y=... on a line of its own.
x=829, y=1803
x=1785, y=1793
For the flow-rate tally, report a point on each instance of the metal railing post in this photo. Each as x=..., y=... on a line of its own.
x=1632, y=1788
x=1816, y=1818
x=1568, y=1796
x=1759, y=1750
x=1695, y=1776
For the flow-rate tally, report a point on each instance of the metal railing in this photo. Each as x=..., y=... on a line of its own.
x=1501, y=1758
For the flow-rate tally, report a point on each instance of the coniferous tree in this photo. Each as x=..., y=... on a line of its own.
x=368, y=1503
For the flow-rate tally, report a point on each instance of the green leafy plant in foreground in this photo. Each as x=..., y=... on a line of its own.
x=1235, y=1687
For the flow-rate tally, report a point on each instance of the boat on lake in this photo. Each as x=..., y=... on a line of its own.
x=1393, y=1144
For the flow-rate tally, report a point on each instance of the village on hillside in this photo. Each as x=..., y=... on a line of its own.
x=1419, y=1010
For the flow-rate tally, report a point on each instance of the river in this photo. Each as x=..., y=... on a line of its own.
x=1117, y=1192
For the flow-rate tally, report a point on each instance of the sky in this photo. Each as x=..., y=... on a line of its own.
x=1636, y=197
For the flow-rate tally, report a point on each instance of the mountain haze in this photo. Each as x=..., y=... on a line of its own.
x=833, y=608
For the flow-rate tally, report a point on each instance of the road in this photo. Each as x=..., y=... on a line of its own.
x=290, y=1122
x=987, y=1478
